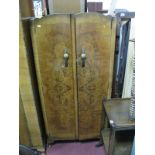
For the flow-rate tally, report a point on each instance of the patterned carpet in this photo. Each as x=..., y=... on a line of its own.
x=76, y=148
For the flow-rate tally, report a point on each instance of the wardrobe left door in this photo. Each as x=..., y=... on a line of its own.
x=52, y=43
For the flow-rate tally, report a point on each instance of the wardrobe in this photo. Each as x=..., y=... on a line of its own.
x=74, y=57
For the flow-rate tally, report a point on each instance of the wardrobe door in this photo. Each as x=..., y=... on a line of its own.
x=52, y=43
x=95, y=40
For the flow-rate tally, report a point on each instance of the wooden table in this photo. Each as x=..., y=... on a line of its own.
x=119, y=137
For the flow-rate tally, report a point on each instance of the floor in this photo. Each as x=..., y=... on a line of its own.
x=76, y=148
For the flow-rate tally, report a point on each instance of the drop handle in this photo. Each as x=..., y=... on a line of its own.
x=83, y=57
x=66, y=57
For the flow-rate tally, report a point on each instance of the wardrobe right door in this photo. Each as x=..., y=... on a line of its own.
x=95, y=42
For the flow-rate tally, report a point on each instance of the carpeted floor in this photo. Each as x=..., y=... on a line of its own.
x=76, y=148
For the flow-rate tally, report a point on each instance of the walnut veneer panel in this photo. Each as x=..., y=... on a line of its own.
x=51, y=35
x=94, y=34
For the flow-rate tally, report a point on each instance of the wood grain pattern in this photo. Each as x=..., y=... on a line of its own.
x=51, y=35
x=24, y=136
x=89, y=124
x=72, y=96
x=26, y=92
x=94, y=35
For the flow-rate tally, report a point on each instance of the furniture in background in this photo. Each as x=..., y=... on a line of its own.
x=121, y=50
x=33, y=8
x=66, y=6
x=129, y=79
x=26, y=8
x=74, y=63
x=94, y=6
x=30, y=124
x=119, y=138
x=132, y=104
x=133, y=148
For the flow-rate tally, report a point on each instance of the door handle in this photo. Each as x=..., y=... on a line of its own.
x=83, y=57
x=66, y=57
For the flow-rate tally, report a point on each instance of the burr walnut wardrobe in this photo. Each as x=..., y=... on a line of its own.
x=74, y=62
